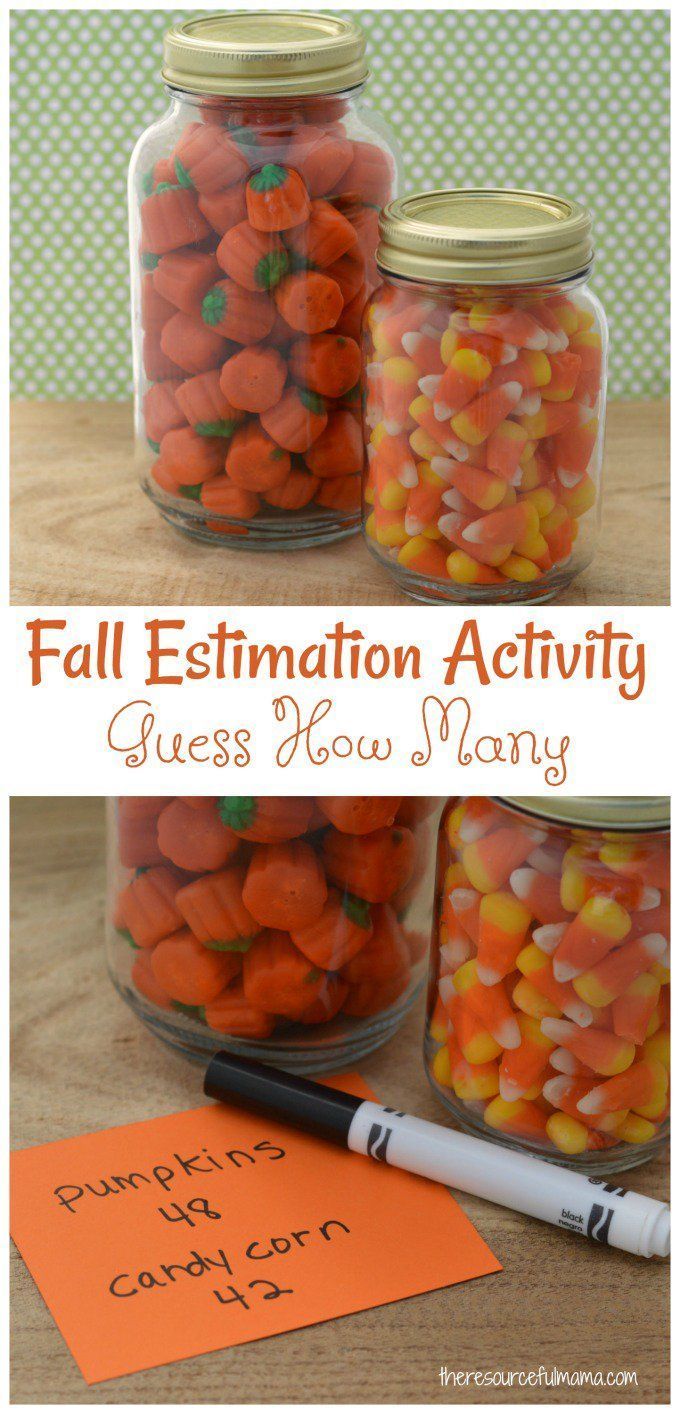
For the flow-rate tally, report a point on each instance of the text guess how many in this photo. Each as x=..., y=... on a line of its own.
x=423, y=724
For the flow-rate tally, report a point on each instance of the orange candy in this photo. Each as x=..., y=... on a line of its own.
x=195, y=839
x=558, y=960
x=272, y=911
x=254, y=379
x=488, y=395
x=190, y=973
x=259, y=229
x=254, y=461
x=309, y=301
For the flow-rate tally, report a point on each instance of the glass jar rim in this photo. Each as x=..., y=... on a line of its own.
x=265, y=53
x=477, y=289
x=198, y=96
x=597, y=812
x=485, y=236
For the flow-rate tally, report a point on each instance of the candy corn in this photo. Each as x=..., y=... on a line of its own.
x=522, y=1067
x=597, y=928
x=499, y=392
x=554, y=973
x=490, y=861
x=612, y=977
x=642, y=1085
x=601, y=1050
x=490, y=1004
x=503, y=922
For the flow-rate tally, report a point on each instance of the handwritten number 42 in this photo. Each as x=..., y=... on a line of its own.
x=271, y=1292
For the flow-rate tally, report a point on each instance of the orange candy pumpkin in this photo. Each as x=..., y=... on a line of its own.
x=222, y=497
x=157, y=365
x=148, y=905
x=339, y=450
x=232, y=1013
x=257, y=260
x=342, y=929
x=285, y=885
x=296, y=420
x=195, y=839
x=328, y=364
x=373, y=866
x=183, y=277
x=237, y=314
x=224, y=209
x=299, y=488
x=254, y=461
x=155, y=310
x=142, y=977
x=369, y=176
x=171, y=218
x=320, y=157
x=380, y=973
x=340, y=493
x=276, y=198
x=212, y=907
x=190, y=458
x=163, y=479
x=278, y=977
x=359, y=814
x=208, y=159
x=266, y=819
x=329, y=1001
x=324, y=238
x=191, y=345
x=162, y=411
x=205, y=406
x=254, y=378
x=349, y=273
x=190, y=973
x=309, y=301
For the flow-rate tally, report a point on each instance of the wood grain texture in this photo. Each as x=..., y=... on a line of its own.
x=81, y=1061
x=83, y=533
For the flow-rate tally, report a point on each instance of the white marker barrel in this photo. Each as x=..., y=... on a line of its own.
x=596, y=1208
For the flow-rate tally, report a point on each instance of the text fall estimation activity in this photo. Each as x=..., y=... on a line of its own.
x=441, y=727
x=226, y=654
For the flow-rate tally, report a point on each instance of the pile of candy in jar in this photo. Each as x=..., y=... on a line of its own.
x=550, y=1003
x=253, y=914
x=258, y=237
x=483, y=418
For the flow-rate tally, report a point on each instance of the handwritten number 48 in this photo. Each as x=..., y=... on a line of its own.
x=199, y=1207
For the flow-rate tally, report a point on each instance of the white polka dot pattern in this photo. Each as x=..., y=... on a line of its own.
x=569, y=101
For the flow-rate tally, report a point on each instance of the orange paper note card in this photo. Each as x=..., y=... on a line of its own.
x=197, y=1231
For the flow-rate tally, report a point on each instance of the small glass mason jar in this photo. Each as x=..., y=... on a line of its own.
x=253, y=229
x=549, y=994
x=292, y=929
x=484, y=376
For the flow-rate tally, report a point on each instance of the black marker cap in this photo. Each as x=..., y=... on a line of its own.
x=290, y=1099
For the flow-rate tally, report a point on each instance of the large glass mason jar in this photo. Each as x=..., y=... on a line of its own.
x=292, y=929
x=484, y=374
x=549, y=997
x=253, y=225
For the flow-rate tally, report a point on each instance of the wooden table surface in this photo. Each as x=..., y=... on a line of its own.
x=81, y=1060
x=83, y=533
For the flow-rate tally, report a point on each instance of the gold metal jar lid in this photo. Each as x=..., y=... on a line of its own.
x=485, y=236
x=262, y=53
x=597, y=812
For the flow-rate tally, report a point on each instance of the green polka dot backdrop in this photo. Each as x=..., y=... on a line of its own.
x=571, y=101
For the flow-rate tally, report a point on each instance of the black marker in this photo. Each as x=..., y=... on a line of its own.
x=593, y=1207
